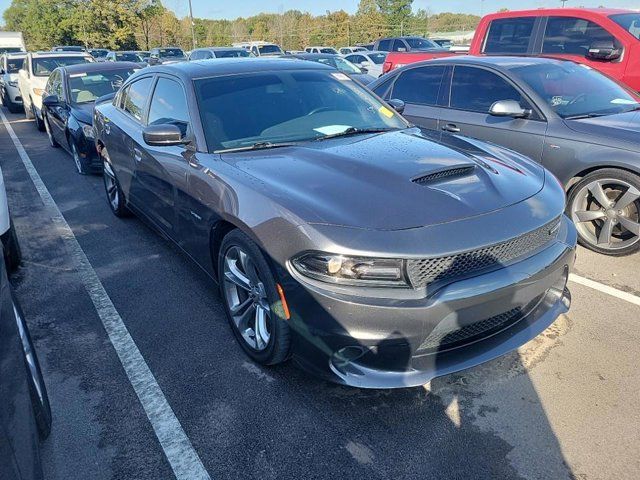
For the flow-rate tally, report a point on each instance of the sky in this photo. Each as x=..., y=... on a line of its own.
x=217, y=9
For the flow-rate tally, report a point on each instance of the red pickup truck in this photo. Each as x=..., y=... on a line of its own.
x=605, y=39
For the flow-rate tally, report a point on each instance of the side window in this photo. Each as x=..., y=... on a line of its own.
x=419, y=85
x=135, y=97
x=385, y=45
x=51, y=83
x=399, y=46
x=382, y=89
x=573, y=36
x=207, y=55
x=509, y=35
x=195, y=55
x=475, y=90
x=169, y=105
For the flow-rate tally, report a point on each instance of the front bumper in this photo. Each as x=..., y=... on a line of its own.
x=374, y=342
x=14, y=94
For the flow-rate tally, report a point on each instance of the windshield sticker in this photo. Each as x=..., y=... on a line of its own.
x=77, y=75
x=340, y=76
x=331, y=129
x=623, y=101
x=385, y=111
x=557, y=101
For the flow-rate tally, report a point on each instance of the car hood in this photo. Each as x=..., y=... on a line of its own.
x=366, y=181
x=621, y=129
x=83, y=112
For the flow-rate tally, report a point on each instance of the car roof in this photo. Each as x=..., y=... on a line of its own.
x=59, y=54
x=230, y=66
x=543, y=12
x=219, y=49
x=98, y=67
x=500, y=62
x=314, y=56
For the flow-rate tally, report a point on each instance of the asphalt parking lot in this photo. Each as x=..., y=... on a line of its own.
x=566, y=405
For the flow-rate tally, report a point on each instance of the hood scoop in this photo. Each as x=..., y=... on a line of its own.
x=444, y=174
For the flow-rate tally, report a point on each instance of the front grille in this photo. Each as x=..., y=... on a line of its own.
x=483, y=328
x=451, y=172
x=425, y=271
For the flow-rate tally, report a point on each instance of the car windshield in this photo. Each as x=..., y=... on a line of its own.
x=267, y=49
x=573, y=90
x=98, y=53
x=128, y=57
x=628, y=21
x=289, y=106
x=10, y=49
x=42, y=67
x=377, y=58
x=345, y=66
x=86, y=87
x=421, y=43
x=171, y=53
x=232, y=53
x=328, y=50
x=14, y=64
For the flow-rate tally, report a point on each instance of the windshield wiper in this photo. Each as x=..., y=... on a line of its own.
x=586, y=115
x=355, y=131
x=256, y=146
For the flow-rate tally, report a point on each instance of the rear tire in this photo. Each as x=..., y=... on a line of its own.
x=251, y=301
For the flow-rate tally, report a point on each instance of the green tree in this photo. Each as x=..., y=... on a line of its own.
x=397, y=12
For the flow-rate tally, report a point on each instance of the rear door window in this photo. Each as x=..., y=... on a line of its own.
x=509, y=36
x=385, y=45
x=419, y=86
x=573, y=36
x=399, y=46
x=135, y=98
x=476, y=89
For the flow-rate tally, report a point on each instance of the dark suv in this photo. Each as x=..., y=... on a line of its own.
x=406, y=44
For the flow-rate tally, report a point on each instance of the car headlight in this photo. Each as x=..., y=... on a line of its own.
x=88, y=131
x=13, y=83
x=38, y=91
x=348, y=270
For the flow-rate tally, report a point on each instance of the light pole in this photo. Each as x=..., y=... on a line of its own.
x=193, y=33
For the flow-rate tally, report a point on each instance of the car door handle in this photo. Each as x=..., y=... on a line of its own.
x=451, y=127
x=137, y=154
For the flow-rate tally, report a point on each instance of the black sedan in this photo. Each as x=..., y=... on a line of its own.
x=578, y=123
x=336, y=61
x=25, y=415
x=68, y=107
x=340, y=236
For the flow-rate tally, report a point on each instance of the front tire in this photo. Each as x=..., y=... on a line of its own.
x=38, y=120
x=251, y=301
x=115, y=196
x=605, y=207
x=81, y=163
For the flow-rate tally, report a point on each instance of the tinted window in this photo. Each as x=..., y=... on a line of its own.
x=419, y=85
x=356, y=59
x=399, y=46
x=86, y=87
x=475, y=90
x=169, y=105
x=385, y=45
x=269, y=49
x=628, y=21
x=572, y=36
x=42, y=67
x=232, y=53
x=378, y=58
x=575, y=90
x=128, y=57
x=381, y=89
x=421, y=43
x=172, y=53
x=135, y=97
x=509, y=35
x=14, y=64
x=288, y=106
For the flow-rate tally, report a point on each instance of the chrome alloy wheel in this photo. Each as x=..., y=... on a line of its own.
x=246, y=298
x=111, y=186
x=607, y=213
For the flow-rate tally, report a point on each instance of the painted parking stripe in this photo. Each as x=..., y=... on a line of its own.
x=601, y=287
x=180, y=453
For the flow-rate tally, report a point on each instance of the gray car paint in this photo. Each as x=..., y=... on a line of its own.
x=566, y=147
x=355, y=196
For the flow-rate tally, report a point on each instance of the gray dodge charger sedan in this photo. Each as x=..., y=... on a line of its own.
x=371, y=253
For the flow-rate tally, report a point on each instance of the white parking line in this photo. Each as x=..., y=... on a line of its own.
x=180, y=453
x=614, y=292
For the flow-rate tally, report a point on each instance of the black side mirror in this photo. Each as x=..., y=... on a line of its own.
x=51, y=101
x=164, y=135
x=397, y=105
x=508, y=108
x=604, y=50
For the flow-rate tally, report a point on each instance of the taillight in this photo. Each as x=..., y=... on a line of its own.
x=386, y=67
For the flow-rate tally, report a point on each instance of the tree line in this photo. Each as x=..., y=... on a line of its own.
x=143, y=24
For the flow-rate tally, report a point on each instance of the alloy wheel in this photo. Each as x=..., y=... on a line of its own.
x=76, y=156
x=111, y=186
x=607, y=213
x=246, y=297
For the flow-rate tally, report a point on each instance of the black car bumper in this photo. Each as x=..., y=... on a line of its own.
x=400, y=342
